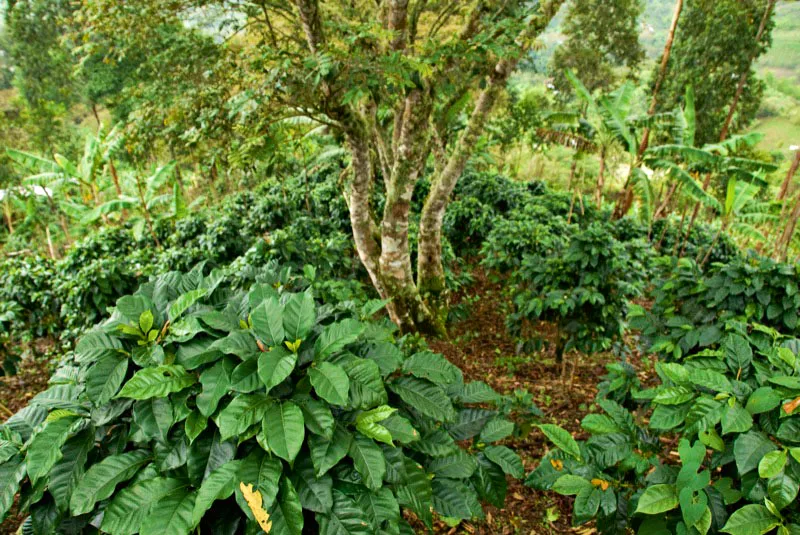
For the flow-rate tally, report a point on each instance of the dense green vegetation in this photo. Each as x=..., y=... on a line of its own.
x=239, y=239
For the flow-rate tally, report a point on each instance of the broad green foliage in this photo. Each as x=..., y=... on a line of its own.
x=582, y=286
x=595, y=54
x=192, y=388
x=691, y=307
x=728, y=392
x=64, y=297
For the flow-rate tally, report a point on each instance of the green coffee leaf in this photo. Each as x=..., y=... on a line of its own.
x=570, y=485
x=104, y=379
x=245, y=410
x=184, y=303
x=129, y=507
x=506, y=459
x=425, y=397
x=658, y=499
x=287, y=512
x=330, y=382
x=315, y=493
x=102, y=478
x=497, y=429
x=772, y=464
x=326, y=453
x=752, y=519
x=562, y=439
x=368, y=460
x=432, y=366
x=275, y=366
x=172, y=514
x=299, y=314
x=267, y=320
x=218, y=485
x=11, y=474
x=157, y=382
x=334, y=337
x=749, y=449
x=44, y=449
x=283, y=430
x=67, y=472
x=345, y=518
x=458, y=465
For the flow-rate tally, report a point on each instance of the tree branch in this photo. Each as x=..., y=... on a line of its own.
x=398, y=21
x=312, y=26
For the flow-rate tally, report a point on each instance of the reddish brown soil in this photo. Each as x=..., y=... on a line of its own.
x=15, y=391
x=480, y=346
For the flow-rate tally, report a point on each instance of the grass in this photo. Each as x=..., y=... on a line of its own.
x=779, y=133
x=783, y=59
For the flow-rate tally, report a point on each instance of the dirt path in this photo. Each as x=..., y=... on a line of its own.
x=480, y=346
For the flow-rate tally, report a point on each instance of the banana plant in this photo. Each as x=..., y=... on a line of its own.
x=740, y=212
x=684, y=164
x=145, y=199
x=612, y=124
x=46, y=179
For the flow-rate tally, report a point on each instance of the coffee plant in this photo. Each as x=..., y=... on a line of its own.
x=691, y=307
x=583, y=288
x=197, y=405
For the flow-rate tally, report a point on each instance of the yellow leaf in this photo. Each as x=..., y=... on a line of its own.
x=790, y=406
x=256, y=504
x=600, y=483
x=557, y=464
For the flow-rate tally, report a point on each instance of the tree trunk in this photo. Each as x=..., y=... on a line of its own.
x=96, y=115
x=789, y=176
x=430, y=270
x=662, y=75
x=743, y=77
x=7, y=213
x=115, y=177
x=146, y=213
x=717, y=236
x=601, y=179
x=782, y=247
x=50, y=246
x=626, y=200
x=695, y=212
x=665, y=202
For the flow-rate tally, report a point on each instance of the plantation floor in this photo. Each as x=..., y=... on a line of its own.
x=480, y=346
x=15, y=391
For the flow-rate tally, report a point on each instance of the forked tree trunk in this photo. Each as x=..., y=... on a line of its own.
x=744, y=75
x=430, y=269
x=401, y=149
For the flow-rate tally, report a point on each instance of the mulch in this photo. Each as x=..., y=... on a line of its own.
x=15, y=392
x=480, y=346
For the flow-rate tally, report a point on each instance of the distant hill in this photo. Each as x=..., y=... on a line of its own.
x=783, y=59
